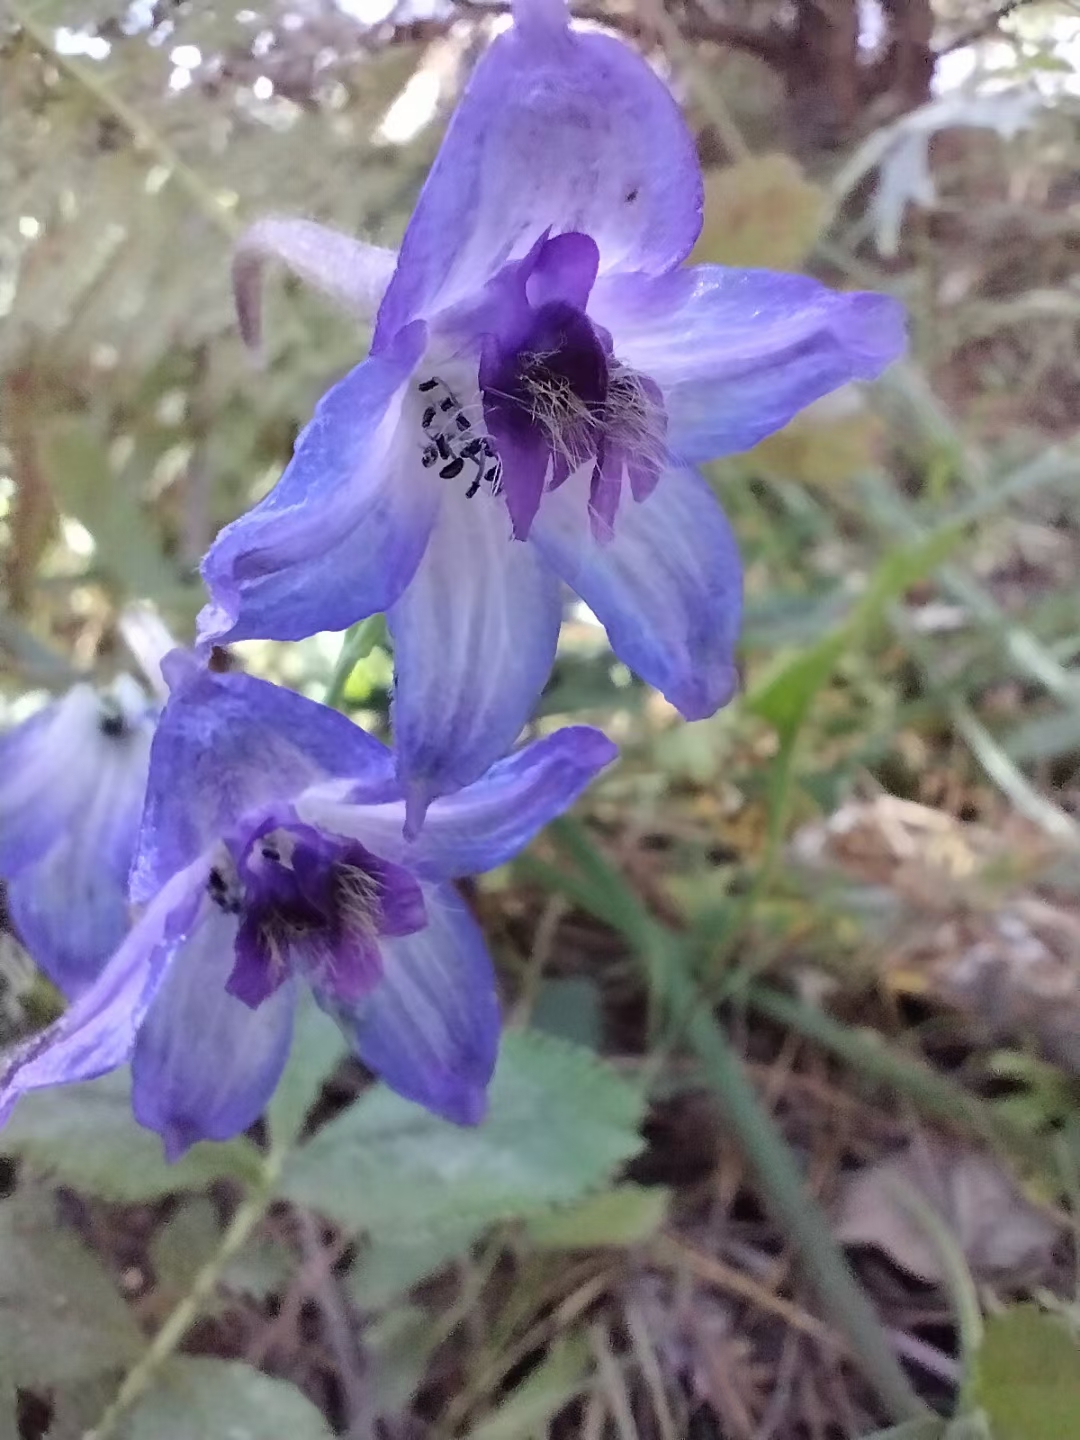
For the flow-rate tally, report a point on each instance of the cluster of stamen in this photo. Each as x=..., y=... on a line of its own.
x=577, y=429
x=358, y=899
x=567, y=420
x=451, y=440
x=635, y=415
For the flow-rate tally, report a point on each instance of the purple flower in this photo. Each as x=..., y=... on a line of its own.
x=72, y=782
x=272, y=854
x=542, y=380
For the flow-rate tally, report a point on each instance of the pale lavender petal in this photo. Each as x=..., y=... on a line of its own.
x=56, y=744
x=556, y=130
x=430, y=1029
x=228, y=746
x=667, y=587
x=71, y=909
x=72, y=782
x=348, y=271
x=737, y=353
x=482, y=826
x=98, y=1032
x=340, y=535
x=205, y=1064
x=474, y=641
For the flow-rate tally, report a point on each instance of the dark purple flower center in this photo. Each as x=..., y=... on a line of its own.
x=314, y=903
x=555, y=396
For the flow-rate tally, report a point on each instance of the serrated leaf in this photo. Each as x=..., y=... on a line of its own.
x=626, y=1215
x=86, y=1136
x=194, y=1399
x=61, y=1316
x=317, y=1048
x=560, y=1123
x=1028, y=1375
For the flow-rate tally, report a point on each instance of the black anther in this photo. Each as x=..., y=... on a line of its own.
x=453, y=469
x=427, y=417
x=426, y=385
x=443, y=446
x=462, y=421
x=429, y=456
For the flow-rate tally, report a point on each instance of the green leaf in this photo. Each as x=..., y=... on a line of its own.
x=626, y=1215
x=569, y=1008
x=78, y=1405
x=182, y=1246
x=560, y=1123
x=1029, y=1375
x=317, y=1049
x=61, y=1317
x=197, y=1398
x=399, y=1348
x=128, y=546
x=554, y=1383
x=86, y=1136
x=9, y=1429
x=932, y=1428
x=392, y=1264
x=263, y=1268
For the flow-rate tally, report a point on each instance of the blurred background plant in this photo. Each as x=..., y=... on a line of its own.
x=856, y=887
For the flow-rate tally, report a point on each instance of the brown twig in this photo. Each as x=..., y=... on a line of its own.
x=984, y=27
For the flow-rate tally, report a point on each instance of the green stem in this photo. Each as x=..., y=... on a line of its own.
x=168, y=1339
x=761, y=1142
x=786, y=1195
x=958, y=1282
x=359, y=640
x=869, y=1055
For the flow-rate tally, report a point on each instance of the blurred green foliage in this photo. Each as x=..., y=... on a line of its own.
x=912, y=631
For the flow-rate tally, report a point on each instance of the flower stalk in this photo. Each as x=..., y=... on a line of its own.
x=171, y=1335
